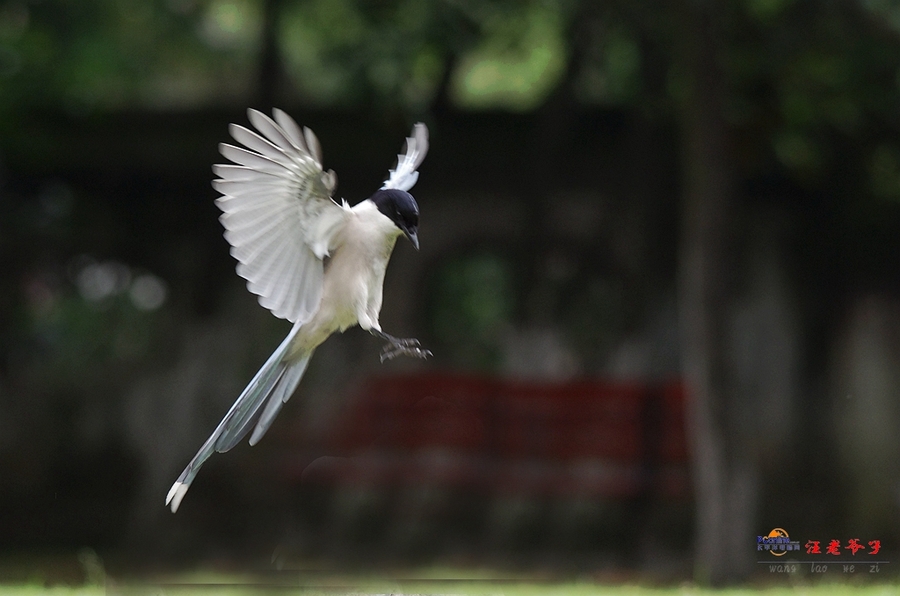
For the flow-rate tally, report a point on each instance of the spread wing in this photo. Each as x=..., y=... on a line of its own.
x=278, y=213
x=404, y=176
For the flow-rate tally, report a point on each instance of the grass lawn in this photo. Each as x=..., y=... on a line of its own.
x=86, y=575
x=236, y=586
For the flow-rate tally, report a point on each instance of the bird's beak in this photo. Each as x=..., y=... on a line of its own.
x=413, y=237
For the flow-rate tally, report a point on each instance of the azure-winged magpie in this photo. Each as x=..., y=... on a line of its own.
x=315, y=262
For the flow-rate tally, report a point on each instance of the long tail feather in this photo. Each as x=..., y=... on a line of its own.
x=286, y=386
x=258, y=405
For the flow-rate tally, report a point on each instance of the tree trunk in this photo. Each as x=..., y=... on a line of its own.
x=724, y=473
x=269, y=78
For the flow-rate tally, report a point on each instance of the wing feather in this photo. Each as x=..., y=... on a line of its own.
x=246, y=239
x=272, y=259
x=404, y=176
x=254, y=216
x=263, y=146
x=269, y=129
x=315, y=149
x=277, y=211
x=252, y=160
x=241, y=195
x=235, y=173
x=293, y=131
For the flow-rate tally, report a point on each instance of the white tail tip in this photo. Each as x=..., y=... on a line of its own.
x=176, y=493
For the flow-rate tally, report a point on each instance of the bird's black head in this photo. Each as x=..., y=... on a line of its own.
x=401, y=208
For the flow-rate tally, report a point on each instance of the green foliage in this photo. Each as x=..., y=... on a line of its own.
x=611, y=72
x=109, y=54
x=884, y=172
x=519, y=60
x=344, y=52
x=473, y=303
x=813, y=90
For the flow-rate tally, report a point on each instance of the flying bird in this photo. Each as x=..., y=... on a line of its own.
x=311, y=260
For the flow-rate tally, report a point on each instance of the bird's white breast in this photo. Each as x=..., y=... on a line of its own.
x=354, y=275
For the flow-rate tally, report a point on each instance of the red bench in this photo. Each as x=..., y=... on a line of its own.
x=587, y=438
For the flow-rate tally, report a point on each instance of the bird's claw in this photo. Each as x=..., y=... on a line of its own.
x=404, y=347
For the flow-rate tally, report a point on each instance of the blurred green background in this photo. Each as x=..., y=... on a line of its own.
x=693, y=191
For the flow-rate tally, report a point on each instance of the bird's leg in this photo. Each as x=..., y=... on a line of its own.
x=400, y=347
